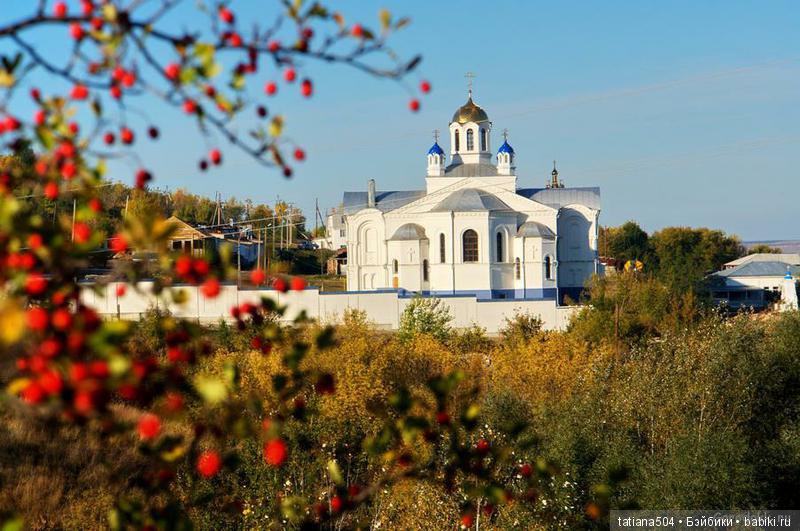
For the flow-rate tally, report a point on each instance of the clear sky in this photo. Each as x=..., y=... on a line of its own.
x=683, y=112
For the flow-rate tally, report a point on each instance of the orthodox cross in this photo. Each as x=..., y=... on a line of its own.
x=436, y=136
x=505, y=134
x=470, y=76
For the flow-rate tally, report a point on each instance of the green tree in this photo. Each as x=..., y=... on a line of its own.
x=425, y=316
x=626, y=242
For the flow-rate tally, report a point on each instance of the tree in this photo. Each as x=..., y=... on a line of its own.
x=425, y=316
x=626, y=242
x=764, y=248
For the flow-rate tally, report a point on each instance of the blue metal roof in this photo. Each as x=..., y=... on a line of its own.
x=506, y=148
x=435, y=149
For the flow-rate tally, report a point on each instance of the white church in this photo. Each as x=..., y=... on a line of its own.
x=474, y=229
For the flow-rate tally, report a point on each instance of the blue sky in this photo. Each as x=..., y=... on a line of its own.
x=684, y=113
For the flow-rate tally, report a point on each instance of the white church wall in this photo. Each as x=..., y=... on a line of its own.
x=383, y=308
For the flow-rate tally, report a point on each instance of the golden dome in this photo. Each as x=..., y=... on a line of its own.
x=469, y=112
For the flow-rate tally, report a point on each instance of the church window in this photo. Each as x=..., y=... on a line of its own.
x=458, y=141
x=517, y=268
x=470, y=139
x=469, y=244
x=441, y=249
x=548, y=268
x=499, y=247
x=483, y=139
x=395, y=266
x=425, y=270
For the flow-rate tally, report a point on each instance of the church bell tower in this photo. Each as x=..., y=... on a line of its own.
x=469, y=133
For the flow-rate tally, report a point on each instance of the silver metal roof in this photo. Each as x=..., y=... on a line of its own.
x=786, y=258
x=470, y=200
x=534, y=229
x=760, y=269
x=561, y=197
x=408, y=232
x=470, y=170
x=384, y=201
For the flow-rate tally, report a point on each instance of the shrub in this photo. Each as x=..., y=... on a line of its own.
x=521, y=328
x=425, y=316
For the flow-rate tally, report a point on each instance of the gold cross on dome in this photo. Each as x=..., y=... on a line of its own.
x=470, y=76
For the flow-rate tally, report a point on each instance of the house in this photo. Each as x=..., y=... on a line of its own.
x=790, y=259
x=240, y=240
x=335, y=230
x=337, y=263
x=756, y=283
x=473, y=229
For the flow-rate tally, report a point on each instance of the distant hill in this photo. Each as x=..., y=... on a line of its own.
x=787, y=246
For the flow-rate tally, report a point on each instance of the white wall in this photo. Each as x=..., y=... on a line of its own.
x=383, y=308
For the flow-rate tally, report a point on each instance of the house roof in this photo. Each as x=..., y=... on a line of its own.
x=759, y=269
x=470, y=200
x=786, y=258
x=534, y=229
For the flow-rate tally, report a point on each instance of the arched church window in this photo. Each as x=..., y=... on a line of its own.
x=469, y=246
x=425, y=270
x=548, y=268
x=499, y=247
x=470, y=139
x=395, y=266
x=483, y=139
x=517, y=268
x=441, y=249
x=458, y=141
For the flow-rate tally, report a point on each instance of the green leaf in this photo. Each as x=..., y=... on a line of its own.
x=335, y=472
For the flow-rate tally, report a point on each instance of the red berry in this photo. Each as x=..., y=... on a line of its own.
x=174, y=401
x=467, y=520
x=208, y=464
x=109, y=138
x=210, y=288
x=40, y=117
x=215, y=156
x=126, y=136
x=336, y=504
x=68, y=170
x=289, y=75
x=173, y=71
x=257, y=276
x=526, y=470
x=299, y=154
x=60, y=9
x=115, y=92
x=51, y=191
x=425, y=87
x=97, y=23
x=99, y=369
x=51, y=382
x=121, y=289
x=87, y=7
x=357, y=31
x=287, y=171
x=235, y=40
x=35, y=284
x=35, y=240
x=306, y=88
x=203, y=165
x=79, y=92
x=153, y=132
x=275, y=452
x=142, y=178
x=261, y=111
x=307, y=33
x=11, y=123
x=37, y=318
x=95, y=205
x=76, y=31
x=443, y=418
x=84, y=402
x=61, y=319
x=81, y=232
x=298, y=284
x=36, y=94
x=413, y=105
x=149, y=426
x=118, y=243
x=33, y=393
x=189, y=107
x=271, y=88
x=78, y=372
x=226, y=15
x=482, y=447
x=280, y=285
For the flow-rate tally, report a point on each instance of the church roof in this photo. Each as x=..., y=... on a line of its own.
x=436, y=149
x=534, y=229
x=470, y=170
x=409, y=232
x=469, y=112
x=506, y=148
x=561, y=197
x=470, y=200
x=384, y=201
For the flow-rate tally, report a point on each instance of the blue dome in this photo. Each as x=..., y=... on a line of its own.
x=435, y=149
x=506, y=148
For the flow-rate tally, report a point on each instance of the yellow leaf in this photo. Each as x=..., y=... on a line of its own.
x=12, y=322
x=276, y=126
x=6, y=79
x=386, y=18
x=338, y=18
x=16, y=386
x=110, y=12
